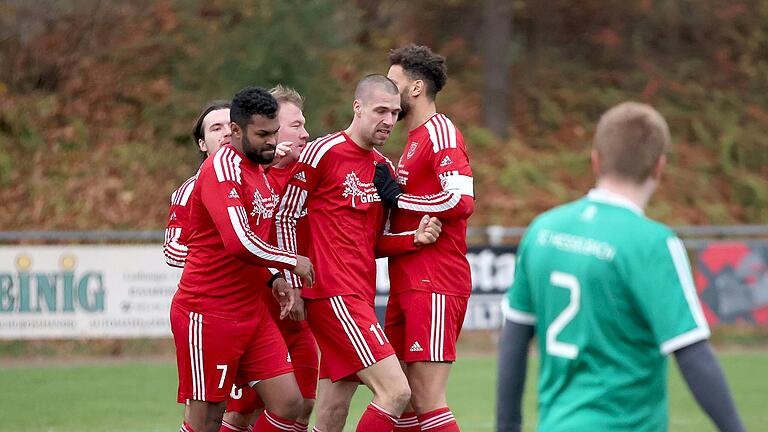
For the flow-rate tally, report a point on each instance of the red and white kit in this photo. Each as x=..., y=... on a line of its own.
x=174, y=246
x=302, y=345
x=436, y=179
x=333, y=181
x=221, y=326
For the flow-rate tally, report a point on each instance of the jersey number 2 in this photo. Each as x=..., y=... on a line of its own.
x=554, y=346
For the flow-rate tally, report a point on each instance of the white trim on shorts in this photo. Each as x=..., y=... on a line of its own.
x=353, y=331
x=437, y=329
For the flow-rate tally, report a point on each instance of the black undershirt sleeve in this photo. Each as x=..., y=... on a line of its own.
x=702, y=372
x=513, y=362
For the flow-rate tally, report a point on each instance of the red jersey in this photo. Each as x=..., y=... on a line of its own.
x=174, y=248
x=230, y=214
x=333, y=180
x=278, y=178
x=436, y=179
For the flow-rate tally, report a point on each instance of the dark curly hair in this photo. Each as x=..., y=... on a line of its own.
x=419, y=62
x=252, y=101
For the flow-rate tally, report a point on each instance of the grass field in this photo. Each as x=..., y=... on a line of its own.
x=139, y=397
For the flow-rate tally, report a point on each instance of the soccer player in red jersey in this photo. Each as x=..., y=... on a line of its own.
x=292, y=137
x=333, y=180
x=221, y=326
x=211, y=131
x=429, y=288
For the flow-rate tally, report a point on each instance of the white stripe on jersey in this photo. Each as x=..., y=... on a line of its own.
x=683, y=267
x=442, y=132
x=352, y=331
x=226, y=163
x=324, y=149
x=433, y=136
x=239, y=221
x=683, y=270
x=515, y=315
x=386, y=159
x=287, y=214
x=315, y=150
x=429, y=203
x=182, y=194
x=310, y=150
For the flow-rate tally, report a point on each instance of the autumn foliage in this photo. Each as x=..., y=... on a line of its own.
x=97, y=98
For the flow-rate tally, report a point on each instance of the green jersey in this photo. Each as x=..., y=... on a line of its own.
x=610, y=293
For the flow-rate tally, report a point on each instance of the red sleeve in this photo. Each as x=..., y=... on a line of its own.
x=175, y=245
x=300, y=185
x=451, y=164
x=391, y=244
x=388, y=243
x=221, y=191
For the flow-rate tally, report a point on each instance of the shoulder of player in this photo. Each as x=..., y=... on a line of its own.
x=316, y=150
x=225, y=165
x=379, y=157
x=181, y=195
x=442, y=133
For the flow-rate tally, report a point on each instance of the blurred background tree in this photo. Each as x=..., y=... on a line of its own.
x=97, y=97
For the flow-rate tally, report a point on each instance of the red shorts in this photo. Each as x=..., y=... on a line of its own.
x=348, y=334
x=214, y=353
x=303, y=350
x=424, y=326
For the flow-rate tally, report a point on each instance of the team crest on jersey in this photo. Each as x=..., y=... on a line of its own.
x=263, y=207
x=412, y=149
x=359, y=191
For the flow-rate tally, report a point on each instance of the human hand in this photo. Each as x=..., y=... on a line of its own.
x=428, y=231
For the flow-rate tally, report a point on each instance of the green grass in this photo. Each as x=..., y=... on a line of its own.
x=137, y=397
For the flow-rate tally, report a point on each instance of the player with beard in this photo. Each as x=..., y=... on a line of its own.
x=245, y=404
x=333, y=180
x=429, y=288
x=221, y=327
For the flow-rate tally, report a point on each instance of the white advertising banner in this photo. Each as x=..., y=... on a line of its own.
x=125, y=291
x=85, y=292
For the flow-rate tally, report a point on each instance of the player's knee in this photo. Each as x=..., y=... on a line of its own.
x=397, y=396
x=237, y=419
x=306, y=410
x=290, y=408
x=335, y=411
x=425, y=402
x=403, y=397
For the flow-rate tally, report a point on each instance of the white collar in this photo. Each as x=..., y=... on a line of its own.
x=612, y=198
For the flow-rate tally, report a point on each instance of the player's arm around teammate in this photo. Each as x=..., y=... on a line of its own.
x=333, y=179
x=243, y=411
x=210, y=132
x=223, y=333
x=429, y=289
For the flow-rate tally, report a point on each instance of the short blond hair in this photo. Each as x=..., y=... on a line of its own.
x=629, y=140
x=286, y=94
